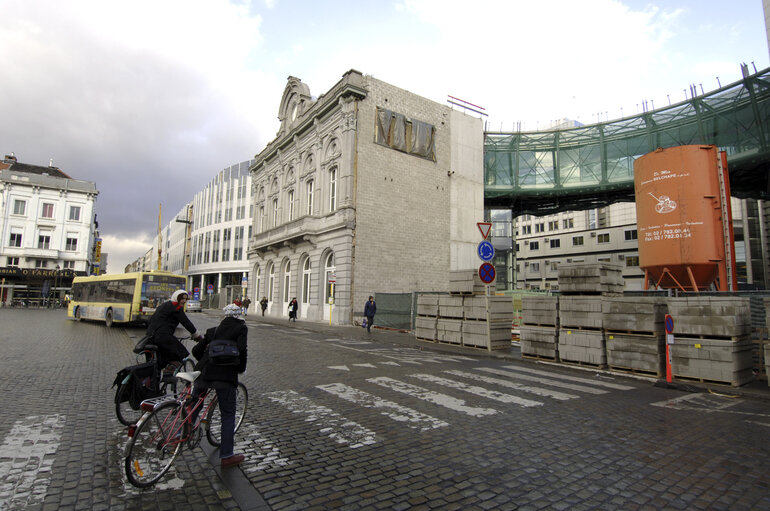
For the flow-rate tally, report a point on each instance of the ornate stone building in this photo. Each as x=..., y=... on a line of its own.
x=368, y=188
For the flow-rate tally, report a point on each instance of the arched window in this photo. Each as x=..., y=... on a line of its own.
x=261, y=219
x=290, y=198
x=329, y=271
x=257, y=282
x=275, y=212
x=286, y=282
x=310, y=189
x=306, y=282
x=271, y=283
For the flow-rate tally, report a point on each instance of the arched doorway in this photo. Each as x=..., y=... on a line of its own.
x=286, y=286
x=305, y=298
x=330, y=271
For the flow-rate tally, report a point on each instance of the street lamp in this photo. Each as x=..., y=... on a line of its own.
x=56, y=281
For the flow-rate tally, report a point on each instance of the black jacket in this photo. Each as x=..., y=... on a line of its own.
x=167, y=317
x=230, y=328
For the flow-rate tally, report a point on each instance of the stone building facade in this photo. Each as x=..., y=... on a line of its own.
x=367, y=189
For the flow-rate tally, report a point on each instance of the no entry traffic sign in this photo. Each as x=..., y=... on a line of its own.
x=487, y=273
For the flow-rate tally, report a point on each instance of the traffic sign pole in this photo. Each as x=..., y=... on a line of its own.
x=669, y=322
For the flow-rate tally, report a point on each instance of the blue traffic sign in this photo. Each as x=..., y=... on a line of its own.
x=487, y=273
x=486, y=251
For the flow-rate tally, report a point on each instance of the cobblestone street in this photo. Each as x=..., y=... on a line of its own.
x=341, y=419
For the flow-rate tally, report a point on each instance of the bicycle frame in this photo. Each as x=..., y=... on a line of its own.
x=173, y=425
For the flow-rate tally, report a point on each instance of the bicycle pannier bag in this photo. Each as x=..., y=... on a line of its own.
x=224, y=352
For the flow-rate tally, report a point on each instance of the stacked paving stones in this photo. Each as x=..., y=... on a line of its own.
x=712, y=339
x=466, y=316
x=540, y=327
x=635, y=334
x=581, y=332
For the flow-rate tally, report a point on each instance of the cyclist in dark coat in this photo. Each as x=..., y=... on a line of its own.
x=162, y=325
x=224, y=379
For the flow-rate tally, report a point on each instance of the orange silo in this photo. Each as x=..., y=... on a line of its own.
x=682, y=196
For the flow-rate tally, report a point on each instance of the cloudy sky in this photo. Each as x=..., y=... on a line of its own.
x=151, y=98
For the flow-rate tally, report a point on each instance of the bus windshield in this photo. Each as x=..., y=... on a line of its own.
x=157, y=289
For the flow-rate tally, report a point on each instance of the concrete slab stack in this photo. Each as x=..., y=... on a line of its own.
x=635, y=334
x=466, y=282
x=540, y=327
x=591, y=278
x=712, y=339
x=581, y=332
x=487, y=321
x=583, y=287
x=466, y=316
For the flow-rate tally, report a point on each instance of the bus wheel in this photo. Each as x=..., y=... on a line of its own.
x=77, y=314
x=108, y=317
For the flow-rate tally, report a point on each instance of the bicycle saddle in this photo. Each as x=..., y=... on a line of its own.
x=145, y=343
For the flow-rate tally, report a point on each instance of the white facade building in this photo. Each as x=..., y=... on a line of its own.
x=48, y=229
x=368, y=188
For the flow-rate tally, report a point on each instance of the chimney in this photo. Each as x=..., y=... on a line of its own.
x=50, y=162
x=10, y=157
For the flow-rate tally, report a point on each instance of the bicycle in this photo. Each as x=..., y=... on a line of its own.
x=127, y=404
x=167, y=425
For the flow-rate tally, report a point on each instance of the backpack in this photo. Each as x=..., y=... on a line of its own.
x=224, y=352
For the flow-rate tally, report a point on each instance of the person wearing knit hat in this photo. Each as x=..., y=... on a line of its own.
x=224, y=379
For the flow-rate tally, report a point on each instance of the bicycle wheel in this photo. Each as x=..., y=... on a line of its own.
x=214, y=417
x=123, y=409
x=153, y=448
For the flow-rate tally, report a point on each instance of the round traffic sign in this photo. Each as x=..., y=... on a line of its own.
x=487, y=273
x=669, y=324
x=486, y=251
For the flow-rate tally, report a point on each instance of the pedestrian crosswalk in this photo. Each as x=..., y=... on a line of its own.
x=432, y=396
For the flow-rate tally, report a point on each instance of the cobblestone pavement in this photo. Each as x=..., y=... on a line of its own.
x=341, y=419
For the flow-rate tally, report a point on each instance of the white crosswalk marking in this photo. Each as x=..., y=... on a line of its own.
x=479, y=391
x=539, y=391
x=411, y=418
x=432, y=397
x=544, y=381
x=27, y=454
x=337, y=427
x=266, y=453
x=577, y=379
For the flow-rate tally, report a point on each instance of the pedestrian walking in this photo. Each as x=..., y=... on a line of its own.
x=263, y=304
x=369, y=310
x=246, y=303
x=293, y=306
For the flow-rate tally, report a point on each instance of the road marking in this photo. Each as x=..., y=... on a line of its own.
x=398, y=413
x=26, y=457
x=478, y=391
x=545, y=381
x=432, y=397
x=340, y=368
x=410, y=355
x=577, y=379
x=260, y=447
x=334, y=425
x=389, y=363
x=366, y=365
x=539, y=391
x=709, y=403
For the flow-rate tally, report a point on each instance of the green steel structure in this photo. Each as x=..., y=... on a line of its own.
x=545, y=172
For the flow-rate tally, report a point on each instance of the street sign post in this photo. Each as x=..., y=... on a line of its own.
x=487, y=273
x=669, y=321
x=484, y=227
x=485, y=251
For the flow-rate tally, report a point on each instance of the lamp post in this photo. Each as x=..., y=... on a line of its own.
x=55, y=283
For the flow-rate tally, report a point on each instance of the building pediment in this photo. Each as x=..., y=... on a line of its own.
x=295, y=102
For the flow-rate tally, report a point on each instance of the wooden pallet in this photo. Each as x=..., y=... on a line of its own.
x=425, y=339
x=640, y=372
x=583, y=364
x=707, y=381
x=539, y=357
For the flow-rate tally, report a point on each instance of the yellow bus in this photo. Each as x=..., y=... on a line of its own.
x=122, y=297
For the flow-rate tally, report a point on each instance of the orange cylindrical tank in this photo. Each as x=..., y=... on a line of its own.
x=678, y=213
